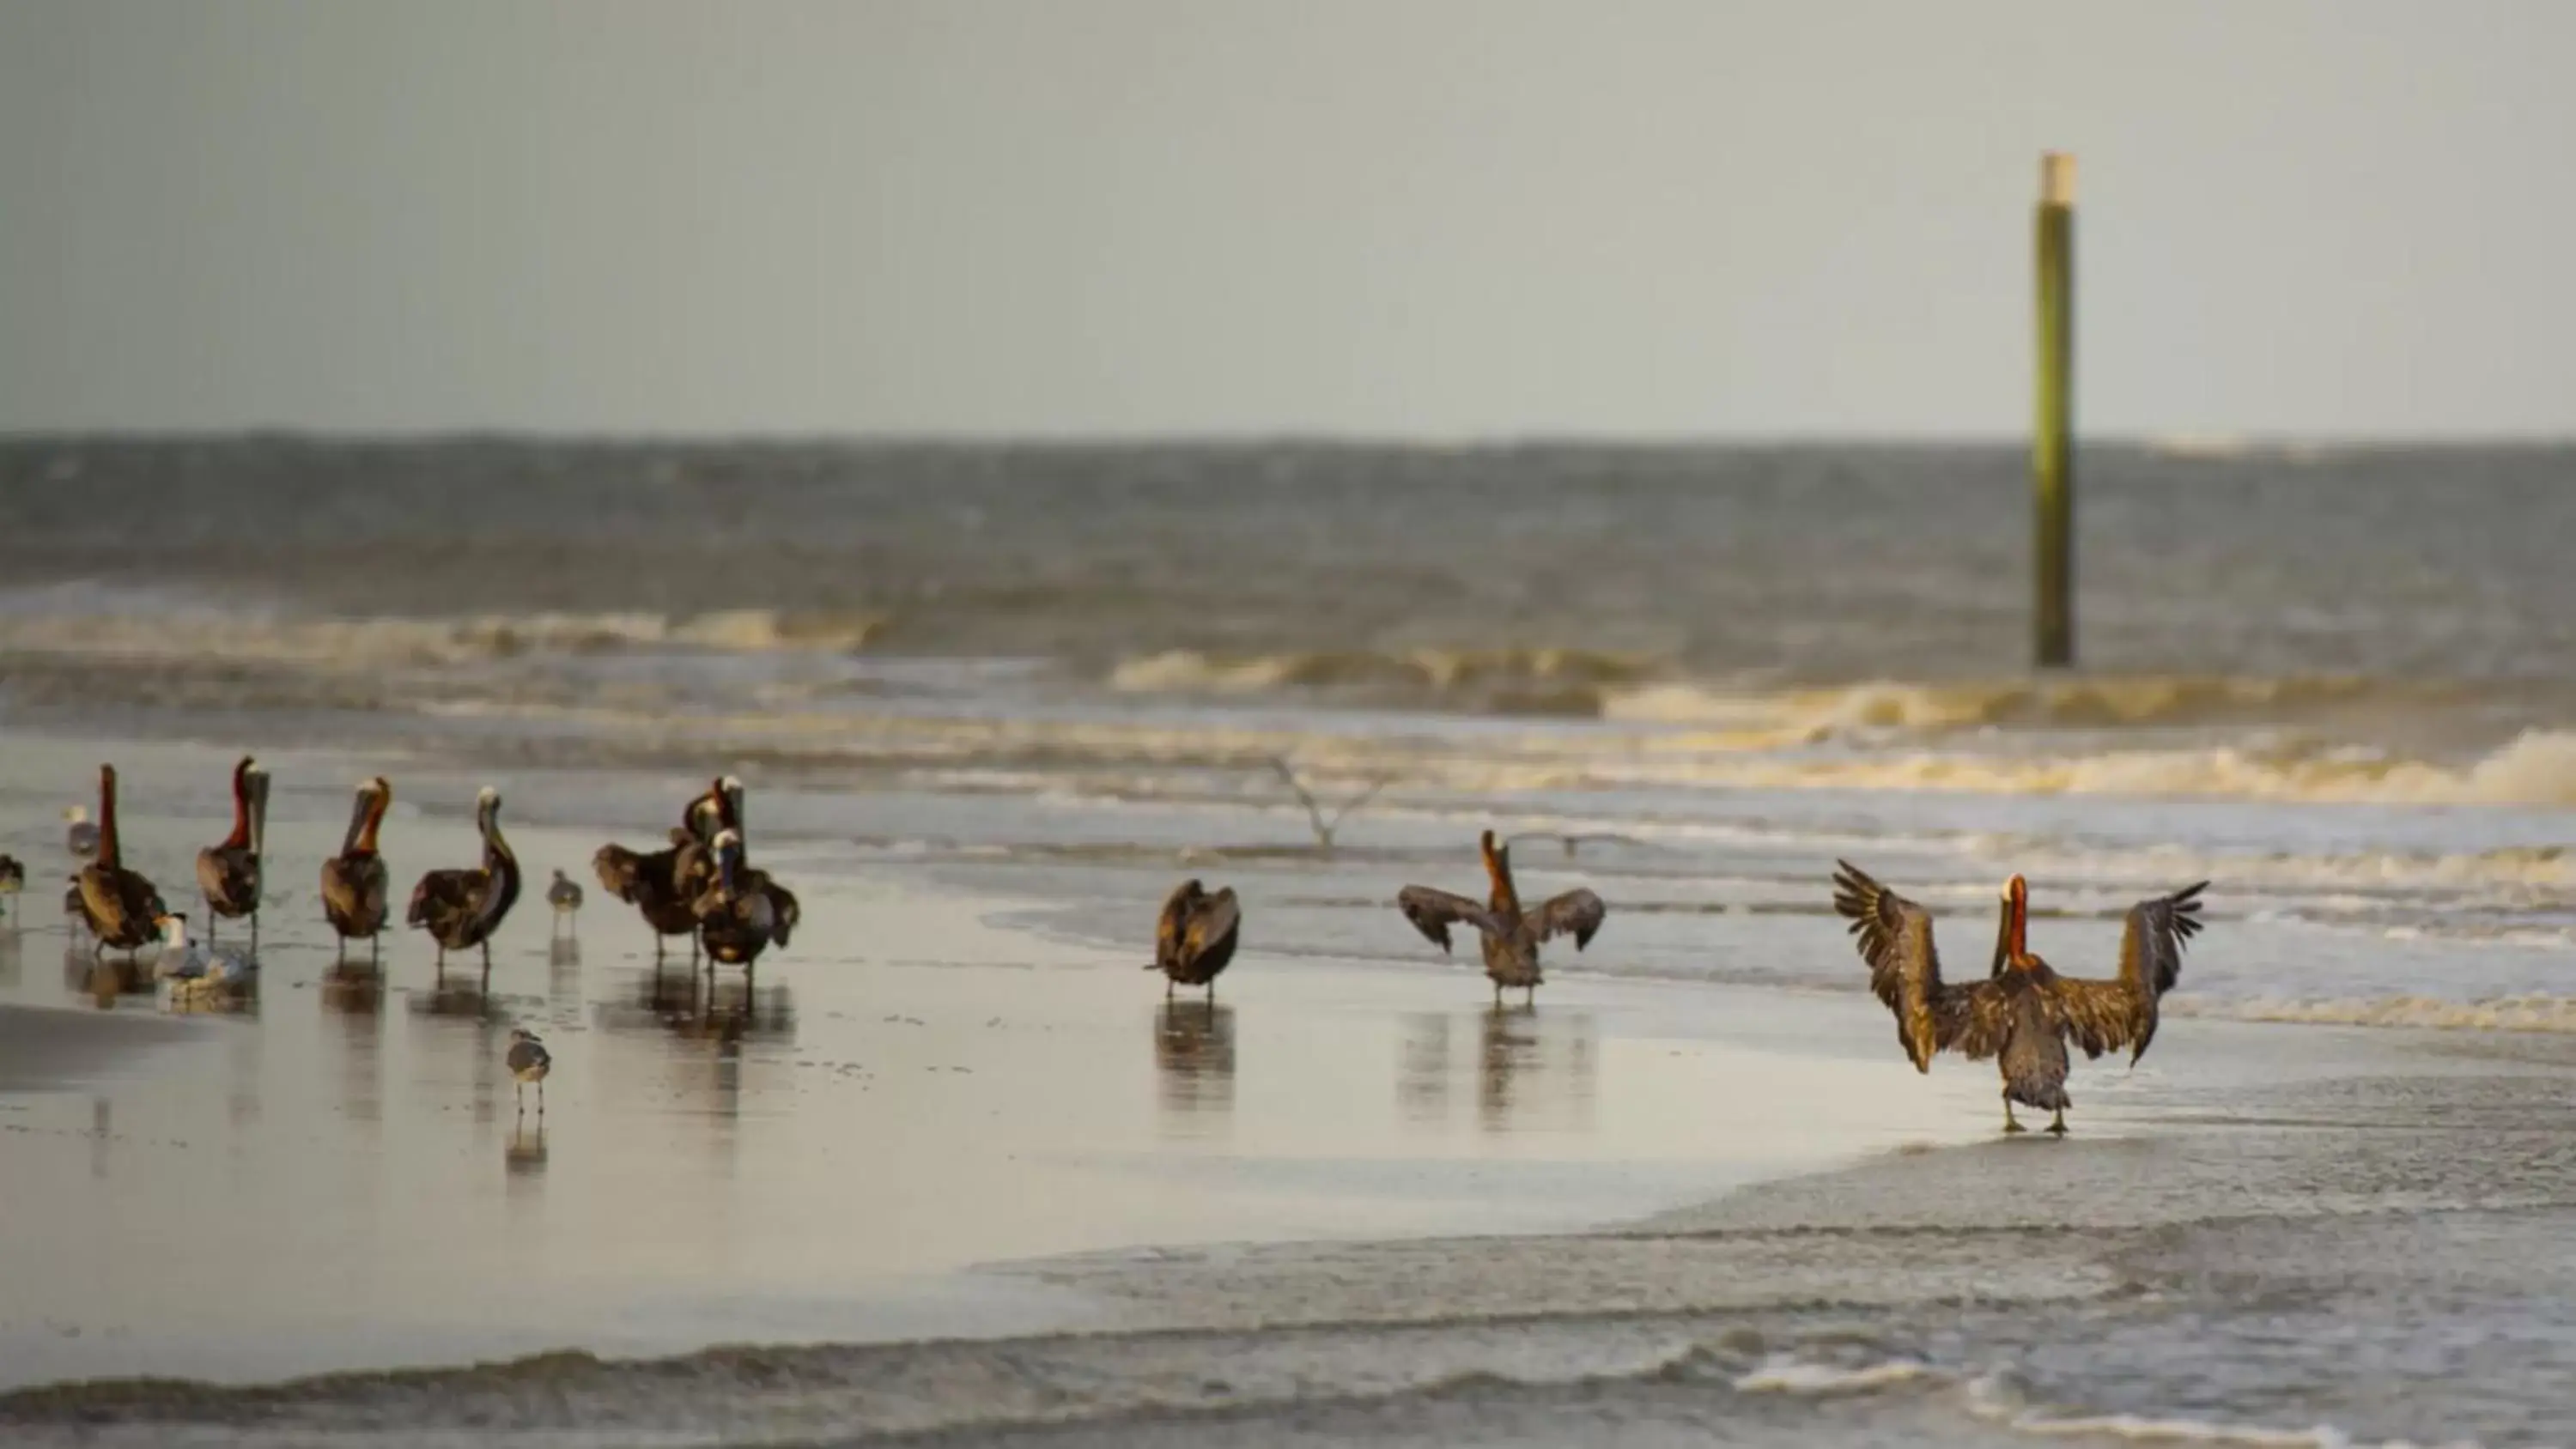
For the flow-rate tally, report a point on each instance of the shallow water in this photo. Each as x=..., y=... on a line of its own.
x=993, y=702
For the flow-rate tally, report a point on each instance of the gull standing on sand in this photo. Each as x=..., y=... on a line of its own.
x=228, y=872
x=354, y=882
x=1195, y=938
x=2023, y=1013
x=1511, y=936
x=462, y=908
x=565, y=897
x=204, y=973
x=80, y=833
x=529, y=1061
x=122, y=909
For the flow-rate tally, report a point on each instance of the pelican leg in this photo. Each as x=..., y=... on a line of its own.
x=541, y=1097
x=1498, y=996
x=341, y=958
x=519, y=1095
x=2057, y=1123
x=2009, y=1124
x=1169, y=986
x=1529, y=997
x=1211, y=992
x=375, y=948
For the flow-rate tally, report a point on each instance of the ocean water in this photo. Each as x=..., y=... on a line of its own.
x=2340, y=684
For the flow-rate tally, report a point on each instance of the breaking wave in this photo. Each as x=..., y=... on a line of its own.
x=2552, y=1015
x=202, y=636
x=1501, y=681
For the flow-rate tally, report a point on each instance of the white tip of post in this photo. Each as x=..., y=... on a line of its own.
x=2056, y=178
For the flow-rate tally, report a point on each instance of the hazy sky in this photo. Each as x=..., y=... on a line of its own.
x=1348, y=216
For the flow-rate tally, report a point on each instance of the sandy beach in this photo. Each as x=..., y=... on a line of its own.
x=340, y=1178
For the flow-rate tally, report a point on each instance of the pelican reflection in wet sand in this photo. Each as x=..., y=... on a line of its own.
x=529, y=1061
x=1195, y=938
x=228, y=873
x=354, y=883
x=1511, y=935
x=462, y=908
x=121, y=908
x=2024, y=1013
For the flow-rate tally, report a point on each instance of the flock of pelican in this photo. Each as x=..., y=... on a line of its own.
x=702, y=885
x=2022, y=1014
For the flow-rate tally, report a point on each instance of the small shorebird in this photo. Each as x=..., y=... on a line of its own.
x=1510, y=934
x=565, y=897
x=2024, y=1013
x=13, y=879
x=529, y=1061
x=121, y=908
x=735, y=922
x=1195, y=938
x=202, y=972
x=354, y=882
x=228, y=872
x=462, y=908
x=80, y=833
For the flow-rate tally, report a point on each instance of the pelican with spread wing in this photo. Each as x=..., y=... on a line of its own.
x=1195, y=938
x=2023, y=1014
x=1511, y=935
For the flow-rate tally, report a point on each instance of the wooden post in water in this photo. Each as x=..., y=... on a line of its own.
x=2052, y=458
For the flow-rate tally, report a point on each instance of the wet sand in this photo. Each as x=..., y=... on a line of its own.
x=908, y=1098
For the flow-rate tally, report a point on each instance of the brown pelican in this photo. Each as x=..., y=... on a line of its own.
x=122, y=909
x=462, y=908
x=665, y=885
x=1511, y=935
x=354, y=883
x=229, y=873
x=565, y=897
x=80, y=833
x=735, y=922
x=1194, y=940
x=2024, y=1013
x=529, y=1061
x=2121, y=1010
x=784, y=912
x=13, y=879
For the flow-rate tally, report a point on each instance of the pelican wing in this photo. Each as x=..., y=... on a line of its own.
x=1172, y=925
x=1433, y=912
x=2151, y=962
x=1577, y=913
x=1214, y=921
x=2151, y=949
x=784, y=912
x=2104, y=1016
x=1895, y=938
x=444, y=897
